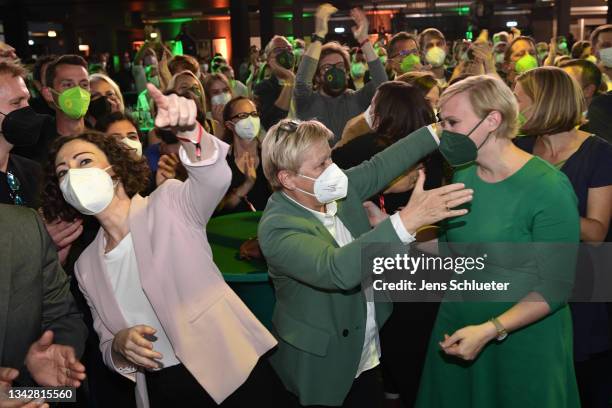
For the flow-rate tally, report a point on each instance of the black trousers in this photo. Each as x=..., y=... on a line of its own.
x=176, y=387
x=595, y=380
x=404, y=351
x=366, y=392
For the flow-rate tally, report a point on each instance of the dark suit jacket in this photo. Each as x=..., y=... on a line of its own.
x=29, y=173
x=34, y=291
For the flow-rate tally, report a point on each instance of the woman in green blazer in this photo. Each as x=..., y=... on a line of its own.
x=311, y=234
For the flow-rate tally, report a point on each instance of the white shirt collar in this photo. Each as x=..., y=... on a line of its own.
x=328, y=216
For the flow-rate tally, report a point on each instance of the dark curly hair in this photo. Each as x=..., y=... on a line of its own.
x=133, y=173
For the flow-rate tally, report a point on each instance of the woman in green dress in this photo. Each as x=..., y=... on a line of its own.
x=512, y=353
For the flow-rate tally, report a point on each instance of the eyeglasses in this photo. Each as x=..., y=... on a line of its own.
x=244, y=115
x=404, y=53
x=278, y=50
x=288, y=127
x=326, y=67
x=14, y=187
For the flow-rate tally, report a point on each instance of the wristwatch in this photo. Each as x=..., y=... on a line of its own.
x=314, y=37
x=501, y=330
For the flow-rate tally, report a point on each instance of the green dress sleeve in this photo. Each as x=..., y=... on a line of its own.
x=556, y=233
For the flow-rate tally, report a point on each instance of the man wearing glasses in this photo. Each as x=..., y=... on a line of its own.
x=403, y=51
x=321, y=82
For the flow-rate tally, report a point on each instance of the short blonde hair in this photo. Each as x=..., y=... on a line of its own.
x=285, y=145
x=102, y=77
x=488, y=94
x=558, y=101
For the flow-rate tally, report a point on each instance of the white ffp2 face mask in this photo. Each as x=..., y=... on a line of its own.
x=435, y=56
x=605, y=55
x=133, y=144
x=88, y=190
x=248, y=128
x=330, y=186
x=221, y=99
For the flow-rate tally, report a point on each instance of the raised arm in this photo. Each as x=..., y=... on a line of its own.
x=202, y=154
x=308, y=64
x=377, y=71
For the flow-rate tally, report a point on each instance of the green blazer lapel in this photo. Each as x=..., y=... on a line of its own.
x=299, y=211
x=5, y=284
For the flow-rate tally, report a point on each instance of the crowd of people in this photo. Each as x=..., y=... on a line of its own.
x=108, y=179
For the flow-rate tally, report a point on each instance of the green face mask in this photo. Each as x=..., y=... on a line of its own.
x=409, y=62
x=458, y=149
x=74, y=102
x=526, y=63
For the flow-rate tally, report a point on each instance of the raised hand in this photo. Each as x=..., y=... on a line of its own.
x=322, y=15
x=175, y=112
x=281, y=72
x=134, y=347
x=431, y=206
x=360, y=31
x=54, y=365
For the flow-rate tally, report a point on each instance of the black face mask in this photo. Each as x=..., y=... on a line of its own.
x=100, y=107
x=22, y=127
x=334, y=81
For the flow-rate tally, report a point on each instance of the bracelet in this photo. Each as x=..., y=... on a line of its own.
x=361, y=44
x=285, y=83
x=314, y=37
x=198, y=147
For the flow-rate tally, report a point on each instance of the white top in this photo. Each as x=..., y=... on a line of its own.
x=370, y=354
x=122, y=270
